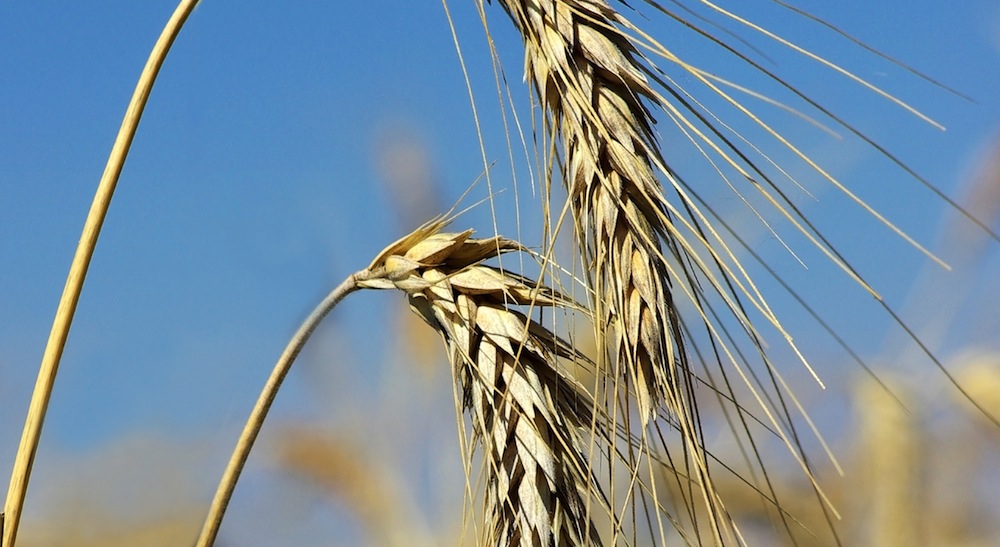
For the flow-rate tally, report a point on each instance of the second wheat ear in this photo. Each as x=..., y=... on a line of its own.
x=585, y=75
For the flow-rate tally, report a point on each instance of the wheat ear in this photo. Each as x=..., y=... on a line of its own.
x=589, y=79
x=526, y=413
x=586, y=78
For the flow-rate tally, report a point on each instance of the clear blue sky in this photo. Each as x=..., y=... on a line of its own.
x=258, y=160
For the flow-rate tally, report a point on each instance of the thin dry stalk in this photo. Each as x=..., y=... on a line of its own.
x=526, y=413
x=248, y=436
x=21, y=471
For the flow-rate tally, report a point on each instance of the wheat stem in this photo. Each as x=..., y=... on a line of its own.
x=38, y=406
x=238, y=459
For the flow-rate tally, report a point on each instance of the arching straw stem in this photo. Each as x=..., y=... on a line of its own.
x=39, y=404
x=239, y=457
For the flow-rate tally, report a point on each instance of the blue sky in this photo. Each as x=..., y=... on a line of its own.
x=261, y=154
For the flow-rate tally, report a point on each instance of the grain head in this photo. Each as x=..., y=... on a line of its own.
x=527, y=414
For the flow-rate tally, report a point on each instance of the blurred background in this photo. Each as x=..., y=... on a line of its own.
x=284, y=146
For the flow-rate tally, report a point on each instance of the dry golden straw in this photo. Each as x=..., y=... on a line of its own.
x=227, y=484
x=21, y=471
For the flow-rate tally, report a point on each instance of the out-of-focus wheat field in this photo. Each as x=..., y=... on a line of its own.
x=284, y=145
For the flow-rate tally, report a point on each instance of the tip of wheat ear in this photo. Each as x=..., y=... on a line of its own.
x=526, y=412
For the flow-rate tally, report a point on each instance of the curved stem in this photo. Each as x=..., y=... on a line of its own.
x=236, y=462
x=21, y=471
